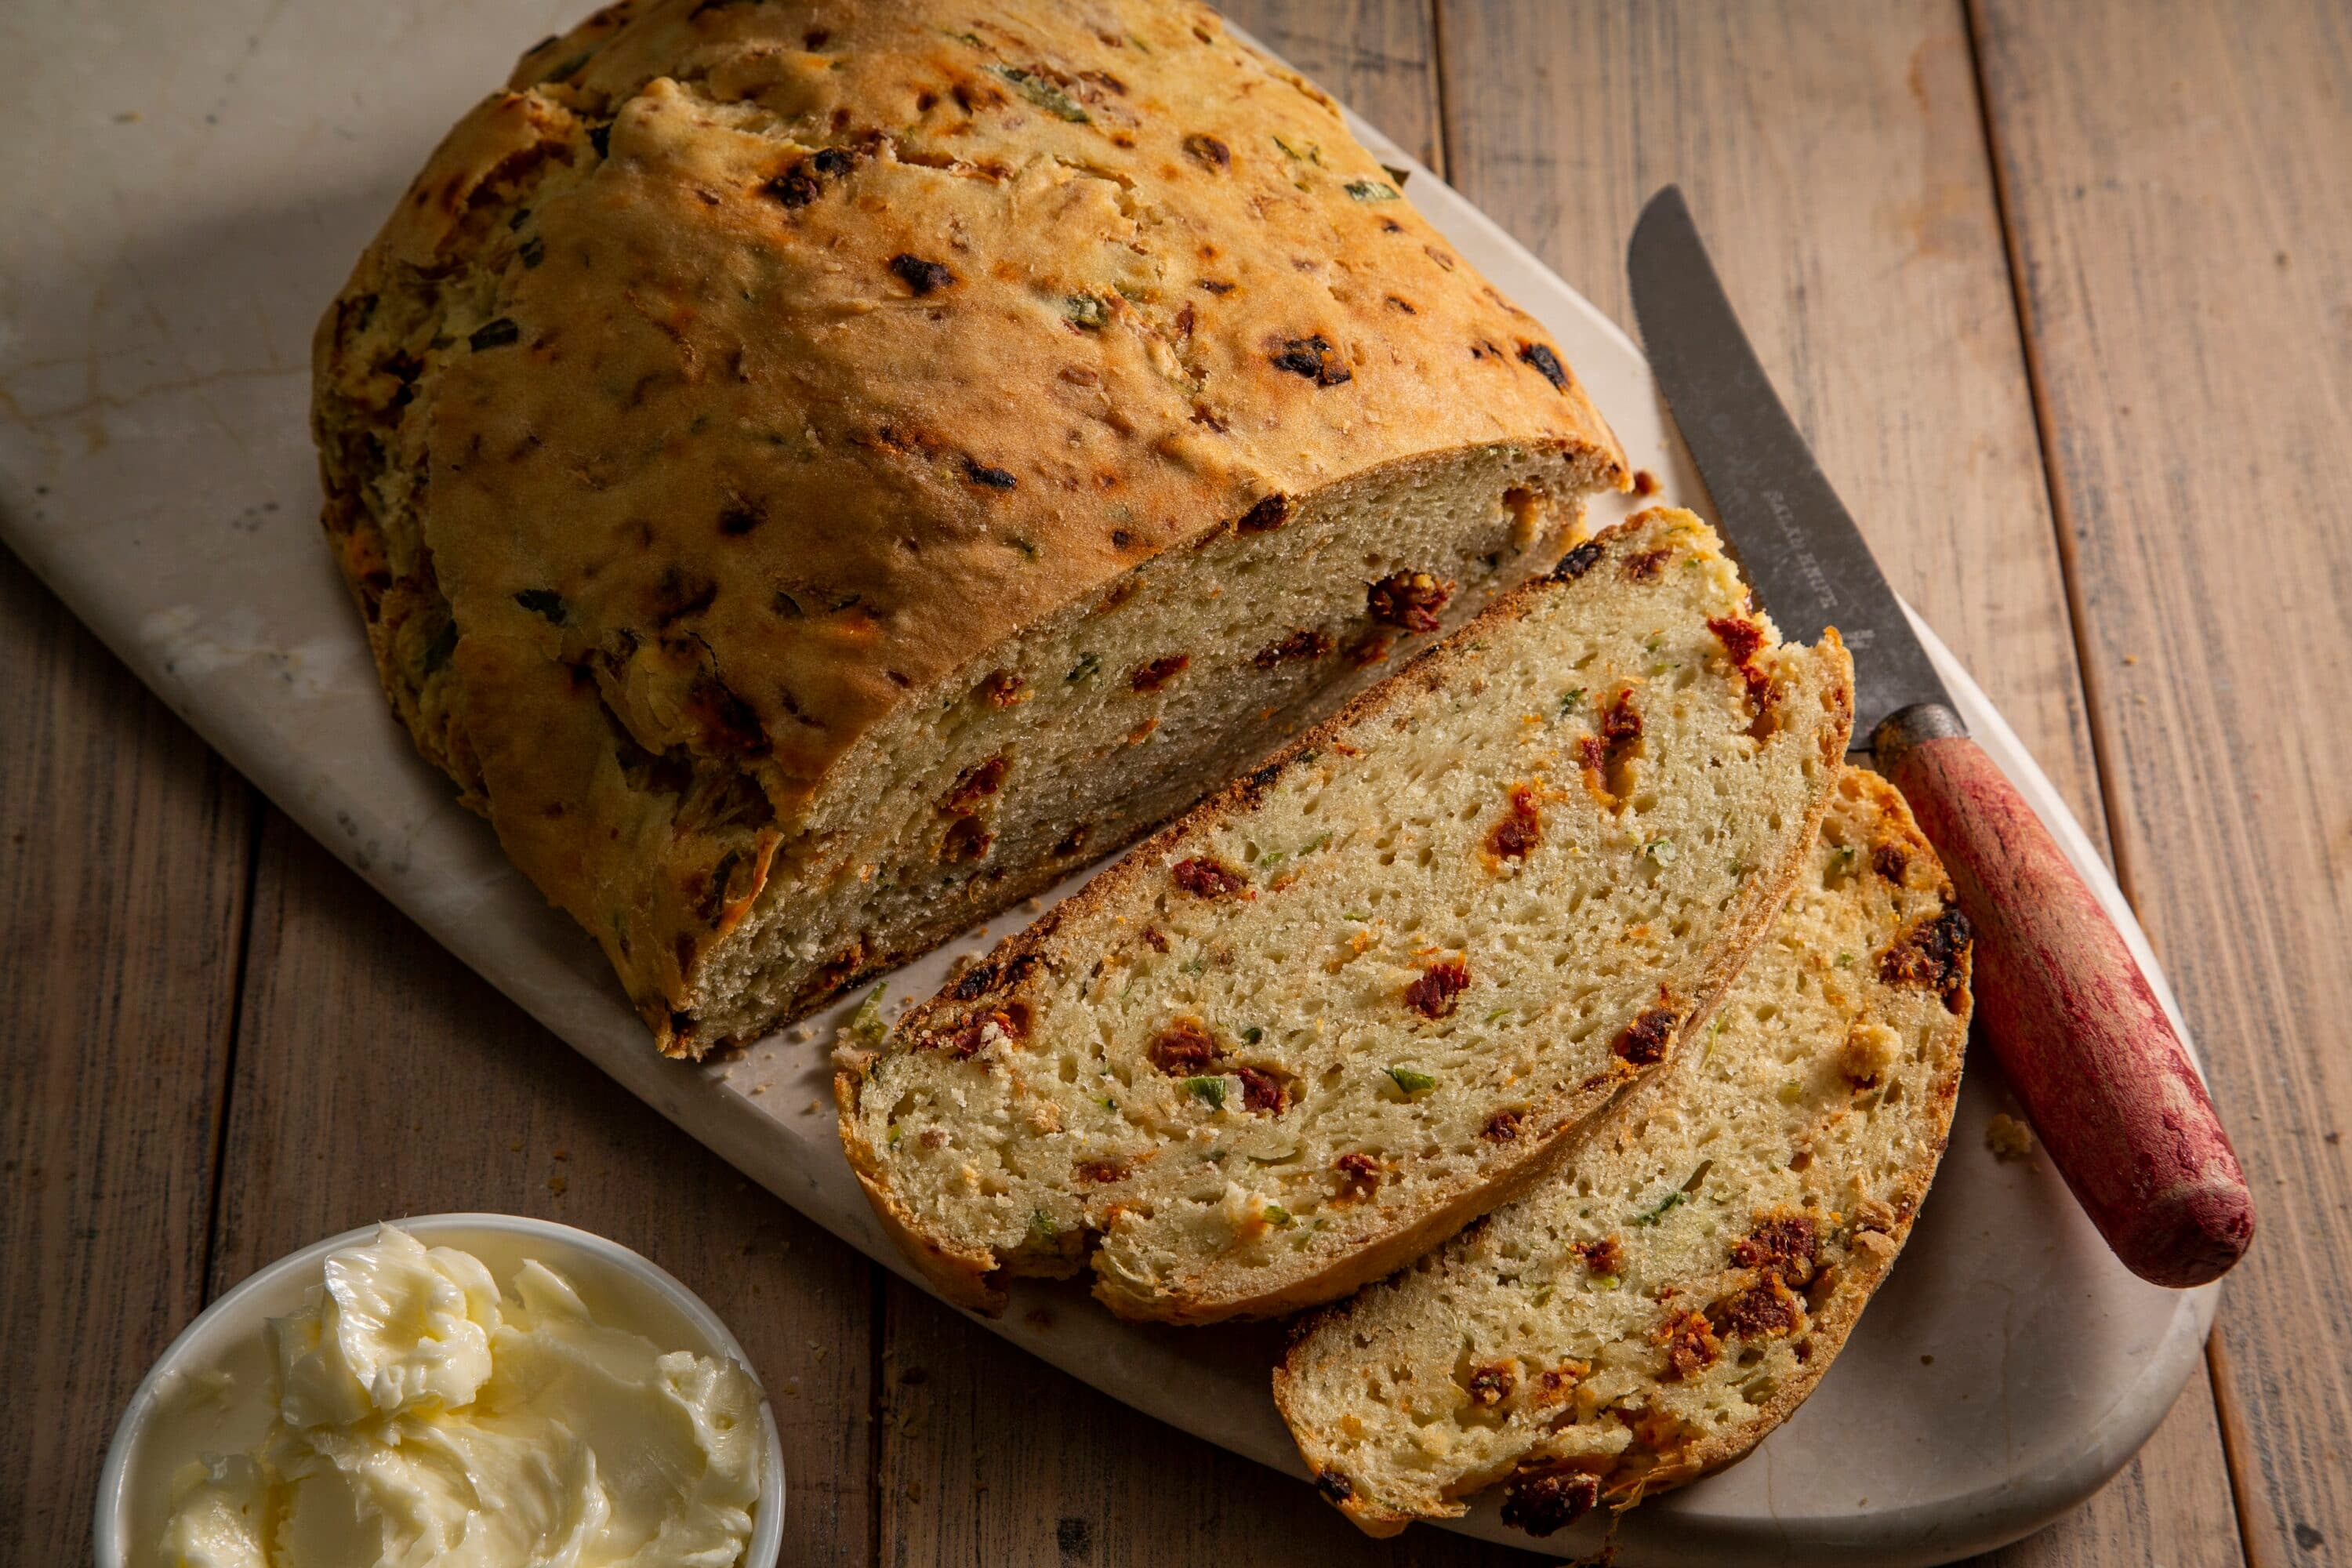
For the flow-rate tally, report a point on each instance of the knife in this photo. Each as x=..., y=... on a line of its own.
x=2089, y=1050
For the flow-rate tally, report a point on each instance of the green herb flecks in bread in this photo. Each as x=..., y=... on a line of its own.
x=1315, y=1026
x=1678, y=1285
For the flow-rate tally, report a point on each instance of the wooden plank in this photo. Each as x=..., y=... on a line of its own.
x=2177, y=189
x=991, y=1456
x=123, y=856
x=988, y=1456
x=1835, y=155
x=376, y=1076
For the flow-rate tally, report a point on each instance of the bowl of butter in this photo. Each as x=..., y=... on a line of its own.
x=478, y=1389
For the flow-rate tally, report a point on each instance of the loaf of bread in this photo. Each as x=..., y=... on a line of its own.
x=815, y=473
x=1678, y=1285
x=1320, y=1023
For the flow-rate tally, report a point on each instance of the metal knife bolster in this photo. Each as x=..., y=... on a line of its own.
x=1792, y=535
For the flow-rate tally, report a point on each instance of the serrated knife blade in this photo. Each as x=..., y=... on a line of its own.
x=1795, y=540
x=2086, y=1045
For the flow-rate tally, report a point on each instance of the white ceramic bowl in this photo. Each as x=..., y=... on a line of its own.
x=624, y=1288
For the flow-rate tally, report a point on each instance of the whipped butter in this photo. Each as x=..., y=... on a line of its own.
x=419, y=1416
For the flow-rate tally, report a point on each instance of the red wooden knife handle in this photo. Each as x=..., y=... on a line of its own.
x=2085, y=1043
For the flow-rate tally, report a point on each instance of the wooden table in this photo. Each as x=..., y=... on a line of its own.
x=2062, y=296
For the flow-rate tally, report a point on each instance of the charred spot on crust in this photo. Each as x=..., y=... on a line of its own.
x=1932, y=952
x=1781, y=1246
x=1359, y=1176
x=1645, y=566
x=1305, y=643
x=1312, y=358
x=922, y=277
x=1890, y=862
x=1491, y=1384
x=1205, y=878
x=679, y=593
x=794, y=188
x=1542, y=1502
x=1576, y=563
x=980, y=473
x=1440, y=986
x=1502, y=1127
x=1159, y=672
x=1644, y=1040
x=1208, y=151
x=1408, y=600
x=1184, y=1049
x=832, y=163
x=1606, y=1256
x=1691, y=1345
x=975, y=982
x=1335, y=1486
x=976, y=783
x=495, y=335
x=725, y=722
x=1546, y=362
x=1268, y=515
x=1261, y=1090
x=1521, y=828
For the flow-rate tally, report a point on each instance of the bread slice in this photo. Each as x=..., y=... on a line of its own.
x=1679, y=1283
x=1317, y=1026
x=816, y=474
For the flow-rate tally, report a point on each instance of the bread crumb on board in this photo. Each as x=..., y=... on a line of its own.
x=2009, y=1137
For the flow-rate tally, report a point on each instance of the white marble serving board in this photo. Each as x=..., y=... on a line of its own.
x=184, y=189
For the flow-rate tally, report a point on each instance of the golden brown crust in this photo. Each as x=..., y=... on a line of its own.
x=1017, y=969
x=1856, y=1283
x=744, y=375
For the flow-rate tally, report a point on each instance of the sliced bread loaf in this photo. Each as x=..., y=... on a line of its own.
x=815, y=473
x=1678, y=1285
x=1314, y=1027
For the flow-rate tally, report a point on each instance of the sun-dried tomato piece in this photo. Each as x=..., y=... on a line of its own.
x=1521, y=828
x=1205, y=878
x=1691, y=1345
x=1408, y=600
x=1934, y=953
x=1642, y=568
x=1491, y=1384
x=1304, y=643
x=1440, y=986
x=1645, y=1039
x=1261, y=1090
x=1184, y=1048
x=1782, y=1245
x=1762, y=1311
x=977, y=782
x=1159, y=672
x=1359, y=1176
x=1606, y=1256
x=1502, y=1127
